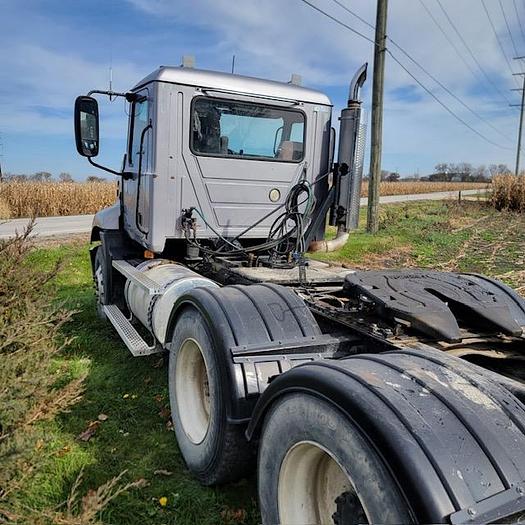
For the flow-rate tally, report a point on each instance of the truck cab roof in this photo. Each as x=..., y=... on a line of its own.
x=234, y=83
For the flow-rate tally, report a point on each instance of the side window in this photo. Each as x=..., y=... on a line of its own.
x=226, y=128
x=138, y=122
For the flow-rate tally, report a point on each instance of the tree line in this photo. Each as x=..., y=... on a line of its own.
x=443, y=172
x=466, y=172
x=45, y=176
x=451, y=172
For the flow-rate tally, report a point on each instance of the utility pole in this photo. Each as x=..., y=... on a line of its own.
x=520, y=128
x=372, y=224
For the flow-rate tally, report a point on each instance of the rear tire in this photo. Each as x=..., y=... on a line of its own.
x=315, y=466
x=214, y=450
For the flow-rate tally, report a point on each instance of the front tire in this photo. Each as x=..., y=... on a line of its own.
x=215, y=451
x=316, y=467
x=98, y=278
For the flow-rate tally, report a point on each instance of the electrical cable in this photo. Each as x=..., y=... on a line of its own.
x=445, y=107
x=339, y=22
x=508, y=29
x=454, y=96
x=457, y=117
x=497, y=37
x=460, y=55
x=518, y=17
x=435, y=79
x=279, y=232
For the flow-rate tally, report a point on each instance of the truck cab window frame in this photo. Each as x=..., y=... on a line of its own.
x=246, y=130
x=139, y=108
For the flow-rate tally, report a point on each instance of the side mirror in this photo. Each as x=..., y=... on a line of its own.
x=86, y=126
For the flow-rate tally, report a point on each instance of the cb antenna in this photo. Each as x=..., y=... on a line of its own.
x=1, y=155
x=233, y=64
x=110, y=75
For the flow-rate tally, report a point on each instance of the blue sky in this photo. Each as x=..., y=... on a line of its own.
x=53, y=50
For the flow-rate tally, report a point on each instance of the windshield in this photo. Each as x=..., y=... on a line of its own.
x=241, y=129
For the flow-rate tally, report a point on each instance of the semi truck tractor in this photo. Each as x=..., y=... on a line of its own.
x=390, y=396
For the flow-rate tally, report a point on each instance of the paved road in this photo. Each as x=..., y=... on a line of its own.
x=60, y=226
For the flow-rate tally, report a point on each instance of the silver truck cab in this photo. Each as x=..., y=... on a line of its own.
x=228, y=145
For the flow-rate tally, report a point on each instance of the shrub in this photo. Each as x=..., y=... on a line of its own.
x=508, y=192
x=30, y=392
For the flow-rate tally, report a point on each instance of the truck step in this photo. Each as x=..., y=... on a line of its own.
x=133, y=340
x=138, y=277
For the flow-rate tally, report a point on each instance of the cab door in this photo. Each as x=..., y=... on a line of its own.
x=137, y=185
x=243, y=157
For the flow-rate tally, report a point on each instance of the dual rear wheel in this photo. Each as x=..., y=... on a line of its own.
x=314, y=466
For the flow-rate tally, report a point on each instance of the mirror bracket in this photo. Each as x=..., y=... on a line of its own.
x=99, y=166
x=88, y=146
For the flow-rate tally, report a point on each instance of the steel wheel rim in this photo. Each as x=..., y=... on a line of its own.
x=192, y=391
x=310, y=480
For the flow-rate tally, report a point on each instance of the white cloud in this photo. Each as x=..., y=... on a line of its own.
x=274, y=38
x=46, y=84
x=51, y=62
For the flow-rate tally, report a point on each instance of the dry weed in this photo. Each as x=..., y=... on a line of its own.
x=508, y=192
x=48, y=199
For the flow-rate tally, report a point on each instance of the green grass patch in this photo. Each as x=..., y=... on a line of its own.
x=135, y=437
x=425, y=229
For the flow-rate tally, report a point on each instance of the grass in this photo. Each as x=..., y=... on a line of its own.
x=467, y=237
x=133, y=392
x=135, y=437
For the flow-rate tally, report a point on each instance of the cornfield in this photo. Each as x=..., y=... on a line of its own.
x=413, y=187
x=508, y=192
x=48, y=199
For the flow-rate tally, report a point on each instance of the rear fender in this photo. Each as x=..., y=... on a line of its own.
x=451, y=436
x=263, y=315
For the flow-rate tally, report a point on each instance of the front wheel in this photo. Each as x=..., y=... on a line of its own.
x=316, y=467
x=214, y=450
x=98, y=277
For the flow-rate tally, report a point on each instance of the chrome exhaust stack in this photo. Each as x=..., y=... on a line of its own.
x=349, y=174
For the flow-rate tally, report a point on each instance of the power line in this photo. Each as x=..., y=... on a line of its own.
x=488, y=79
x=435, y=79
x=457, y=117
x=508, y=29
x=338, y=21
x=453, y=95
x=353, y=13
x=458, y=33
x=443, y=105
x=497, y=36
x=519, y=20
x=450, y=41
